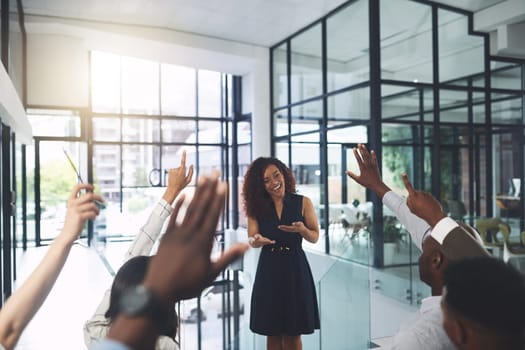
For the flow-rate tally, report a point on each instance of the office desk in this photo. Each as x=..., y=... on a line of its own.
x=509, y=205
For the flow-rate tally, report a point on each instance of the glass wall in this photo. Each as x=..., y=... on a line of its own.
x=418, y=86
x=143, y=116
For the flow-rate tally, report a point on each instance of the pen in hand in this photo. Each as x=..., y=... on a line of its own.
x=99, y=204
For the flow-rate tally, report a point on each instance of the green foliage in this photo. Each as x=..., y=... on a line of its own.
x=56, y=180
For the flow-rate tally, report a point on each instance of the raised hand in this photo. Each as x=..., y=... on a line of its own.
x=182, y=266
x=423, y=204
x=80, y=208
x=178, y=178
x=369, y=175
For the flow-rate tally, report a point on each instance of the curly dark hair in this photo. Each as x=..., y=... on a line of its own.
x=257, y=202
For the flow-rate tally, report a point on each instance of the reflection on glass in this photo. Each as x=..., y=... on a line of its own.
x=105, y=82
x=209, y=87
x=106, y=129
x=140, y=86
x=349, y=105
x=280, y=82
x=399, y=133
x=48, y=122
x=506, y=108
x=307, y=173
x=106, y=171
x=18, y=191
x=505, y=76
x=401, y=102
x=281, y=152
x=244, y=133
x=406, y=41
x=140, y=130
x=460, y=54
x=137, y=163
x=181, y=130
x=178, y=90
x=210, y=159
x=453, y=106
x=306, y=69
x=351, y=134
x=342, y=328
x=30, y=164
x=347, y=46
x=454, y=162
x=280, y=123
x=478, y=108
x=307, y=117
x=210, y=132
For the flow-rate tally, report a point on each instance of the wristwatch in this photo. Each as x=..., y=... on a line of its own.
x=140, y=301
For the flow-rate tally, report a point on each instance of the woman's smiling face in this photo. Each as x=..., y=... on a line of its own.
x=273, y=181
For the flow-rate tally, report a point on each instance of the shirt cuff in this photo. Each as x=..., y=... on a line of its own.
x=391, y=198
x=443, y=228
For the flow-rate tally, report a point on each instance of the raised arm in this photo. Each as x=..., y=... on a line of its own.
x=369, y=177
x=182, y=266
x=178, y=179
x=26, y=300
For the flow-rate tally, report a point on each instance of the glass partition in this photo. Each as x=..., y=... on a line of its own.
x=347, y=64
x=344, y=303
x=461, y=54
x=406, y=41
x=306, y=64
x=280, y=76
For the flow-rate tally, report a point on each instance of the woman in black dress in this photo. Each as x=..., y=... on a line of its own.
x=284, y=301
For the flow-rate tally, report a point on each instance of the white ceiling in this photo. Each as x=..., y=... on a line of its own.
x=257, y=22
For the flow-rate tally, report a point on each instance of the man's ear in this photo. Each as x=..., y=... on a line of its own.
x=438, y=259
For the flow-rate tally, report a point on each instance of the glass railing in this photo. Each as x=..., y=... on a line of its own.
x=344, y=303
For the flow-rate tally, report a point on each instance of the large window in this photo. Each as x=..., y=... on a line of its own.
x=411, y=80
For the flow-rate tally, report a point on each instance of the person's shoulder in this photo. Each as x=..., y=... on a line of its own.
x=425, y=333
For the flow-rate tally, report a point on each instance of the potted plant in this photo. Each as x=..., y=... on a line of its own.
x=391, y=238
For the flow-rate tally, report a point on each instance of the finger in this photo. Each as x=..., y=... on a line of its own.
x=190, y=175
x=78, y=187
x=89, y=215
x=87, y=197
x=87, y=206
x=357, y=157
x=200, y=201
x=183, y=159
x=352, y=175
x=364, y=152
x=229, y=256
x=374, y=157
x=214, y=212
x=407, y=183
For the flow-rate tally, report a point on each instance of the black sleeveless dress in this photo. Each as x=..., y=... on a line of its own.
x=284, y=300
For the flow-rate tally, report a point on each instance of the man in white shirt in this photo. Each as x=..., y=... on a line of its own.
x=441, y=240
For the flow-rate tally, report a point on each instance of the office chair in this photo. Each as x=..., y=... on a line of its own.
x=488, y=230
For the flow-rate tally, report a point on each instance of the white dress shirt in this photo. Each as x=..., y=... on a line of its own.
x=424, y=330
